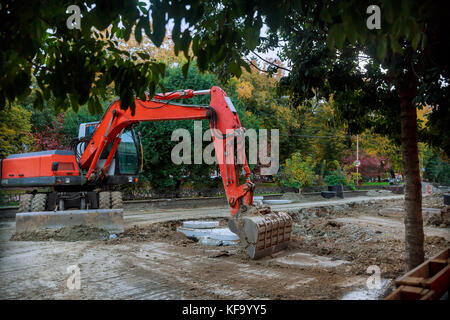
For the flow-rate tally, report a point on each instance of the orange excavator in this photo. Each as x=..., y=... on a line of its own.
x=109, y=152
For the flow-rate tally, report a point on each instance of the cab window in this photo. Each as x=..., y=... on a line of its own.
x=127, y=154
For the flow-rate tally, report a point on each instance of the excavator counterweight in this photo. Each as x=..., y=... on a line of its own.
x=109, y=152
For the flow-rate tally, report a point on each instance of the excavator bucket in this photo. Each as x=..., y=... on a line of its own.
x=262, y=232
x=108, y=219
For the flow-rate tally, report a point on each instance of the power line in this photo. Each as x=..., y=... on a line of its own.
x=312, y=136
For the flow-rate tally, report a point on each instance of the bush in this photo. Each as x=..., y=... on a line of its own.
x=337, y=177
x=297, y=172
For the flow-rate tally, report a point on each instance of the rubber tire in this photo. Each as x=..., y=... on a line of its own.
x=25, y=202
x=104, y=200
x=38, y=203
x=116, y=200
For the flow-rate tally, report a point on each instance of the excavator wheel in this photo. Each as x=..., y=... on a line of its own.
x=262, y=232
x=116, y=200
x=25, y=202
x=38, y=202
x=104, y=200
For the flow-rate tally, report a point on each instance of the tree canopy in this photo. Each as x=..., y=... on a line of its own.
x=364, y=70
x=378, y=77
x=76, y=66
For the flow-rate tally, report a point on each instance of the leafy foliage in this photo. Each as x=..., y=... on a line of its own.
x=335, y=178
x=51, y=136
x=14, y=130
x=371, y=166
x=158, y=168
x=298, y=171
x=332, y=52
x=77, y=66
x=437, y=169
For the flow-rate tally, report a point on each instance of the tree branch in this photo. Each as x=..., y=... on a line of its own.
x=34, y=64
x=271, y=63
x=253, y=65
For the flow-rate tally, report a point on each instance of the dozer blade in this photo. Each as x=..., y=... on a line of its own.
x=108, y=219
x=262, y=232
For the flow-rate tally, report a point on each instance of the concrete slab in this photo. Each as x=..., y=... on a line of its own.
x=221, y=234
x=108, y=219
x=278, y=201
x=214, y=242
x=200, y=224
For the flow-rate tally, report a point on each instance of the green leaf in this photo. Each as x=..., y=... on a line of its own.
x=395, y=45
x=143, y=55
x=251, y=35
x=332, y=34
x=235, y=69
x=127, y=32
x=74, y=102
x=247, y=66
x=158, y=23
x=382, y=48
x=340, y=37
x=138, y=34
x=91, y=106
x=185, y=42
x=424, y=41
x=325, y=15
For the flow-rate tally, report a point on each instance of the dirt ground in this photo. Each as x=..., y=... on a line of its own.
x=334, y=242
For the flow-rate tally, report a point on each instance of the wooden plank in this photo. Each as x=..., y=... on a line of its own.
x=440, y=283
x=410, y=293
x=410, y=281
x=425, y=270
x=433, y=274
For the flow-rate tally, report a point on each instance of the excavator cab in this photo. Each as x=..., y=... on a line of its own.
x=127, y=161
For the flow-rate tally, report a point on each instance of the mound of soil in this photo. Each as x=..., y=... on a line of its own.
x=72, y=233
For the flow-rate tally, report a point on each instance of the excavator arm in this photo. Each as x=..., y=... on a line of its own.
x=261, y=231
x=227, y=134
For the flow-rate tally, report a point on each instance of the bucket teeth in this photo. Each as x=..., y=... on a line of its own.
x=263, y=232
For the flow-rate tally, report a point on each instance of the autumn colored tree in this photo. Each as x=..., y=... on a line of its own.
x=51, y=136
x=371, y=166
x=14, y=131
x=298, y=171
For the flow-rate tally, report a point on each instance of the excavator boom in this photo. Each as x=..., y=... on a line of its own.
x=225, y=126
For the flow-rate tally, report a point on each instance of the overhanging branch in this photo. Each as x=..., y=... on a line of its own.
x=271, y=63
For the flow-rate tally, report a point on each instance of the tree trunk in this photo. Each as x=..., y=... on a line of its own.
x=414, y=237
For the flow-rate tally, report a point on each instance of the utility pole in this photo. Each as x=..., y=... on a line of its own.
x=357, y=159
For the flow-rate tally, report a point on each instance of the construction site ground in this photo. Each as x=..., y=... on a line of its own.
x=334, y=242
